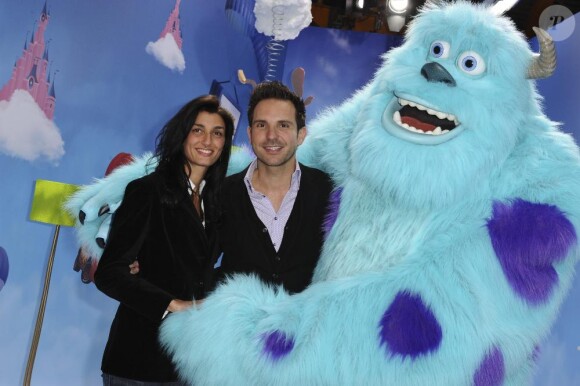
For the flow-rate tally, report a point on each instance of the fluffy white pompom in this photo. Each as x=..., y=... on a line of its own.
x=282, y=19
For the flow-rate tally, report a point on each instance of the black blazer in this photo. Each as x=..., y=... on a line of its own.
x=174, y=252
x=246, y=244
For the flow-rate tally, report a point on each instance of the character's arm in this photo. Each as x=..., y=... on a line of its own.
x=326, y=146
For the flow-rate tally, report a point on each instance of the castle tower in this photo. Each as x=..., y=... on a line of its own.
x=172, y=25
x=30, y=70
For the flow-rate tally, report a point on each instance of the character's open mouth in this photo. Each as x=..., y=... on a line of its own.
x=423, y=120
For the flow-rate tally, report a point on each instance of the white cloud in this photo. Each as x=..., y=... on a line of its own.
x=25, y=132
x=327, y=67
x=282, y=20
x=339, y=39
x=167, y=52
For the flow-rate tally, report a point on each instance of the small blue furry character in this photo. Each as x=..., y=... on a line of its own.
x=452, y=236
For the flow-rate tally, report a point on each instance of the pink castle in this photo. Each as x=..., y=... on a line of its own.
x=172, y=25
x=30, y=71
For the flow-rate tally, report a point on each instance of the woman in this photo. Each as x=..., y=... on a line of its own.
x=160, y=224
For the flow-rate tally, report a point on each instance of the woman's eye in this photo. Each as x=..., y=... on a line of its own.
x=439, y=49
x=471, y=63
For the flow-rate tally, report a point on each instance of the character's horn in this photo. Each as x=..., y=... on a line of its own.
x=544, y=63
x=243, y=80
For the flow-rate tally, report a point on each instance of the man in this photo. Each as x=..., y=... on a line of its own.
x=273, y=211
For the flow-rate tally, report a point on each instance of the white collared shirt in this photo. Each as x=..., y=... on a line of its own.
x=274, y=221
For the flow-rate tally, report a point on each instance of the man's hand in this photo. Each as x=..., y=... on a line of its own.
x=134, y=267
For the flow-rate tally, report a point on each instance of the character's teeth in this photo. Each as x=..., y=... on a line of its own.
x=404, y=102
x=440, y=115
x=397, y=117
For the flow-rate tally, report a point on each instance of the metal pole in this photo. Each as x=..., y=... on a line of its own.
x=41, y=308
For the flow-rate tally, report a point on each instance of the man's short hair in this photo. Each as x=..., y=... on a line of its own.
x=277, y=90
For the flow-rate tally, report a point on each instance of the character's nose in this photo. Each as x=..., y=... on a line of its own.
x=434, y=72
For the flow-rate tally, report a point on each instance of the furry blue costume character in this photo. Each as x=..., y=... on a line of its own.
x=451, y=239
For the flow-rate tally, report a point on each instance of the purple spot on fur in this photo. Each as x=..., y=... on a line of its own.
x=491, y=369
x=277, y=344
x=332, y=214
x=527, y=239
x=408, y=327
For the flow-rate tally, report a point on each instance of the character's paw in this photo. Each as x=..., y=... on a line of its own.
x=86, y=264
x=528, y=238
x=94, y=204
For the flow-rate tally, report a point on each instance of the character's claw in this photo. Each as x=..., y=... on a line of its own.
x=104, y=209
x=100, y=242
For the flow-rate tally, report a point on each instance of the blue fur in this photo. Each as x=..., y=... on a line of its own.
x=412, y=219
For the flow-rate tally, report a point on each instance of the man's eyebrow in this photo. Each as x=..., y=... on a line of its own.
x=278, y=121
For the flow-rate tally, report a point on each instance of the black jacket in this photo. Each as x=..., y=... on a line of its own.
x=174, y=252
x=246, y=244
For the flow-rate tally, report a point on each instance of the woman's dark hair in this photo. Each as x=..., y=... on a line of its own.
x=172, y=163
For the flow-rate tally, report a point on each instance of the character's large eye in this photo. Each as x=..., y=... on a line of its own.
x=439, y=49
x=471, y=63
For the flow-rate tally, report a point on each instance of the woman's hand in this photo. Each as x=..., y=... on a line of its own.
x=177, y=305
